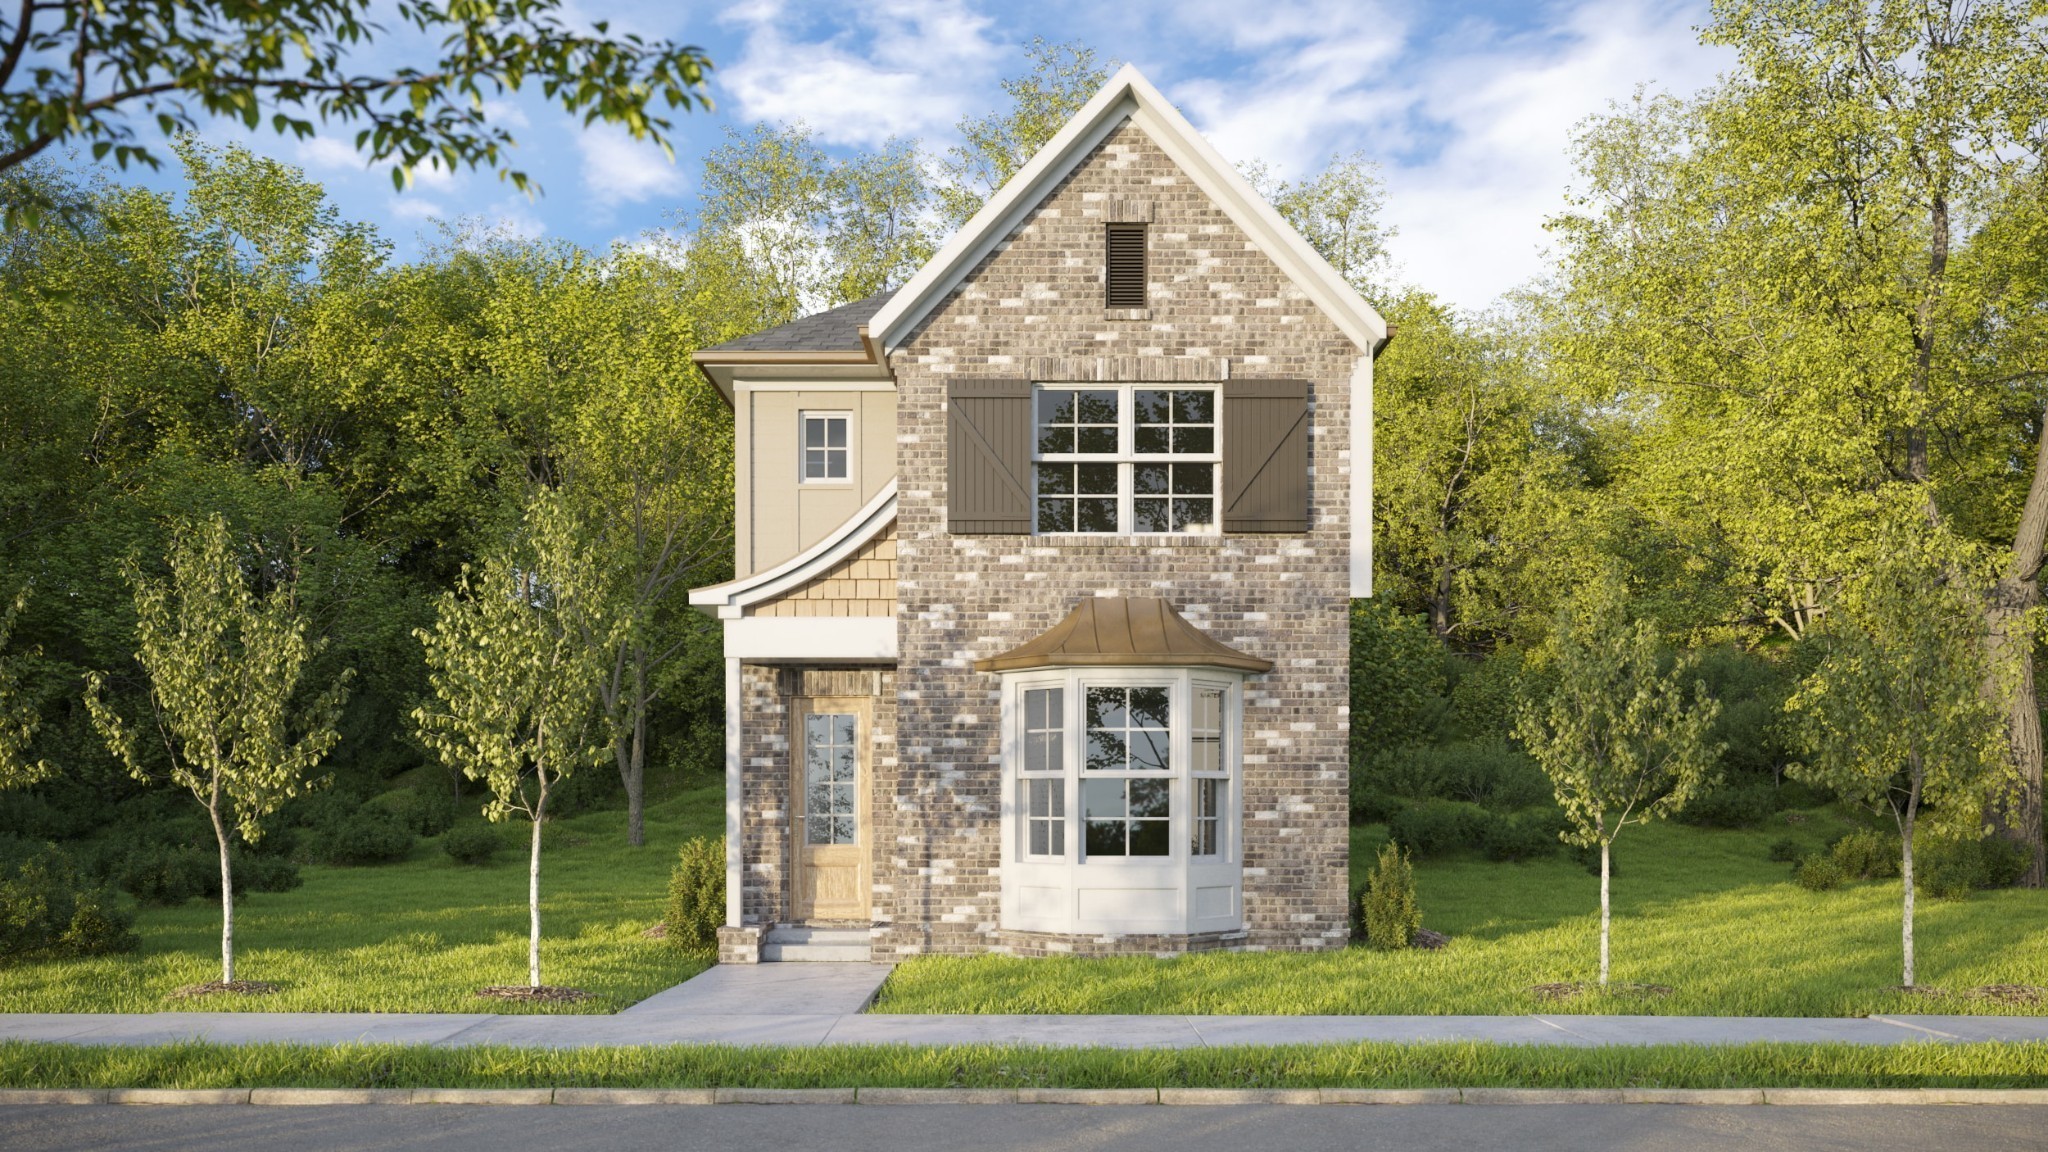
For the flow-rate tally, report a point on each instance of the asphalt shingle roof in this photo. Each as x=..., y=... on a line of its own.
x=834, y=330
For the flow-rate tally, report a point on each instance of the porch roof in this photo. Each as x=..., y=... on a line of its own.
x=1122, y=631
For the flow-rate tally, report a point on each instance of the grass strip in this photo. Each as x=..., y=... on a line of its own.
x=34, y=1064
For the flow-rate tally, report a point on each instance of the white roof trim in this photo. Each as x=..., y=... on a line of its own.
x=1128, y=95
x=730, y=600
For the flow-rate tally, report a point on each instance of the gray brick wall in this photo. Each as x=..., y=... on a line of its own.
x=1034, y=308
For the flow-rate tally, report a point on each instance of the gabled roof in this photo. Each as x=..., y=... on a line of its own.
x=731, y=599
x=833, y=330
x=1128, y=96
x=1123, y=632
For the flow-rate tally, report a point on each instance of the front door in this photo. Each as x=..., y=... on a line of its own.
x=830, y=749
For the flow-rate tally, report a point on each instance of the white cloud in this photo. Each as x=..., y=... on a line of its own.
x=619, y=169
x=909, y=68
x=415, y=208
x=326, y=154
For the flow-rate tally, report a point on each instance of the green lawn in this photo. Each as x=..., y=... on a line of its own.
x=416, y=936
x=1371, y=1065
x=1703, y=912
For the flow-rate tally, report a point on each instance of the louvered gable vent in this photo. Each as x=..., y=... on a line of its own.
x=1124, y=266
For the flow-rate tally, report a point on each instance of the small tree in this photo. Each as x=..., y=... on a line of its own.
x=224, y=668
x=1614, y=729
x=19, y=719
x=696, y=894
x=1388, y=908
x=1897, y=716
x=516, y=677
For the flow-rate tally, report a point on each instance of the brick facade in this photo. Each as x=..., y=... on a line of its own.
x=1034, y=307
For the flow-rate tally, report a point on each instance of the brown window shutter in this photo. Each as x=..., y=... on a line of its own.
x=1265, y=456
x=1124, y=276
x=988, y=457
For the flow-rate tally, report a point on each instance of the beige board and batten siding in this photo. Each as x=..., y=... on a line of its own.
x=779, y=516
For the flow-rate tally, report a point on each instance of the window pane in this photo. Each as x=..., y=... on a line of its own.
x=1194, y=441
x=1051, y=440
x=1101, y=440
x=1194, y=406
x=1106, y=708
x=1034, y=753
x=814, y=433
x=1095, y=515
x=1194, y=479
x=1149, y=750
x=835, y=463
x=1148, y=838
x=814, y=464
x=1041, y=838
x=1105, y=838
x=1034, y=708
x=1055, y=751
x=1208, y=709
x=1055, y=515
x=1099, y=407
x=1148, y=439
x=1208, y=754
x=842, y=830
x=1055, y=479
x=1148, y=707
x=1150, y=479
x=818, y=831
x=1148, y=797
x=1092, y=479
x=1055, y=407
x=1106, y=752
x=1154, y=515
x=1193, y=515
x=843, y=727
x=1102, y=799
x=1059, y=836
x=1151, y=407
x=842, y=762
x=835, y=433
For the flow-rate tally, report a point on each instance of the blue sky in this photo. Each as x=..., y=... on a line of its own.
x=1467, y=106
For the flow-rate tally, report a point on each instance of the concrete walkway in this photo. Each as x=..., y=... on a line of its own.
x=811, y=1004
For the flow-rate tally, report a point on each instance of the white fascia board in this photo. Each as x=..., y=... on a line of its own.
x=811, y=639
x=729, y=600
x=1128, y=93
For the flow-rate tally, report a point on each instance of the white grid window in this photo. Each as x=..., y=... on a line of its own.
x=1125, y=790
x=826, y=451
x=1045, y=782
x=1210, y=771
x=1126, y=459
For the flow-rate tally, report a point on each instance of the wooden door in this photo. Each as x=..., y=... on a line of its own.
x=829, y=753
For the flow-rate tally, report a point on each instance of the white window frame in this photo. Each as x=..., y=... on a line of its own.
x=1126, y=457
x=1033, y=883
x=803, y=449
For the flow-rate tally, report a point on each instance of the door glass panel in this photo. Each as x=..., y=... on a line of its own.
x=831, y=793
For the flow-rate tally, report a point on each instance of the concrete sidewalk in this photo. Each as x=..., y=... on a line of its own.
x=801, y=1005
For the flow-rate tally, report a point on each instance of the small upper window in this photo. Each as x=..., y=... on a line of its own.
x=825, y=447
x=1124, y=273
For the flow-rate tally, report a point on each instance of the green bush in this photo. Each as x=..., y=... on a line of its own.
x=1484, y=699
x=1487, y=771
x=1389, y=911
x=1433, y=827
x=424, y=812
x=472, y=844
x=166, y=875
x=1866, y=855
x=1370, y=805
x=46, y=913
x=1818, y=872
x=696, y=895
x=1951, y=869
x=1732, y=806
x=373, y=835
x=1786, y=851
x=1525, y=836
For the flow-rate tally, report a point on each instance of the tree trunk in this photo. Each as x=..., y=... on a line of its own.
x=1440, y=602
x=636, y=770
x=533, y=892
x=1605, y=916
x=2009, y=638
x=1906, y=918
x=227, y=900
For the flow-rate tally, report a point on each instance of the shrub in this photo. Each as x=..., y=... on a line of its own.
x=1389, y=911
x=1370, y=805
x=1732, y=806
x=696, y=894
x=1865, y=855
x=472, y=844
x=1786, y=851
x=1818, y=872
x=166, y=876
x=1526, y=836
x=45, y=913
x=1434, y=827
x=1952, y=869
x=1484, y=699
x=261, y=874
x=1487, y=771
x=372, y=836
x=424, y=812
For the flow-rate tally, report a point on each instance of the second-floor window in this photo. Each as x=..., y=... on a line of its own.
x=826, y=440
x=1125, y=459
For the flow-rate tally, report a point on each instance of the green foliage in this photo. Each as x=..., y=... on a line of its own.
x=1864, y=855
x=421, y=811
x=370, y=835
x=696, y=895
x=1950, y=869
x=18, y=716
x=1487, y=771
x=1523, y=836
x=45, y=912
x=1435, y=827
x=166, y=875
x=292, y=64
x=472, y=844
x=1786, y=851
x=1398, y=679
x=1819, y=872
x=1732, y=805
x=993, y=147
x=1389, y=913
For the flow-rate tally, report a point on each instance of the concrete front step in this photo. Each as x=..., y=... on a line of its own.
x=805, y=943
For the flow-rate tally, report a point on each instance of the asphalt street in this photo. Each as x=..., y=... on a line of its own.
x=1032, y=1127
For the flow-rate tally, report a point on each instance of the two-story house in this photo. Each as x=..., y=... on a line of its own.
x=1038, y=641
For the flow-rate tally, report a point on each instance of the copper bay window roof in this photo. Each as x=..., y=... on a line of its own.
x=1122, y=632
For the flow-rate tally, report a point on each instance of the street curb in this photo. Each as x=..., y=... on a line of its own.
x=1180, y=1097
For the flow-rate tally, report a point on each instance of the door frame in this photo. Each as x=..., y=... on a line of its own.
x=863, y=711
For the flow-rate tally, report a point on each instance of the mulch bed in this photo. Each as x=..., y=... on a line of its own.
x=1428, y=940
x=1926, y=991
x=2009, y=993
x=1570, y=989
x=544, y=994
x=234, y=987
x=658, y=932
